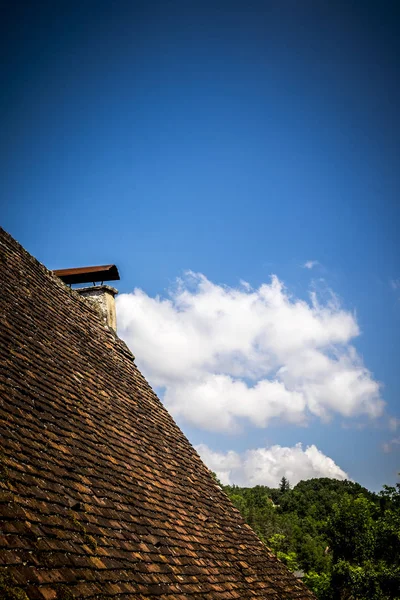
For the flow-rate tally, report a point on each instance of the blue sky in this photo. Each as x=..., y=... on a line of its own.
x=235, y=140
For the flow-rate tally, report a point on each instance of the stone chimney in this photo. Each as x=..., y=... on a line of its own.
x=102, y=296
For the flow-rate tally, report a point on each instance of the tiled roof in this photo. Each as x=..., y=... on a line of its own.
x=102, y=496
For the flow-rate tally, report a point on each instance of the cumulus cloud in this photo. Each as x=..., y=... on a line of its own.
x=267, y=466
x=229, y=356
x=310, y=264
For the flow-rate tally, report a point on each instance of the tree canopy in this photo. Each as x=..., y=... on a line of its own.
x=341, y=538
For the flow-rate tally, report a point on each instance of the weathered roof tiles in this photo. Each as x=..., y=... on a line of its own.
x=101, y=494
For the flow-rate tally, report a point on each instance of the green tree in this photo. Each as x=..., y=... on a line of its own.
x=284, y=485
x=345, y=538
x=319, y=583
x=365, y=544
x=351, y=529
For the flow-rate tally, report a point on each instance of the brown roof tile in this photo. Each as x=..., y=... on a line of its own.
x=101, y=494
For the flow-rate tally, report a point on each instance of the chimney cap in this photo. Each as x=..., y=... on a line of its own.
x=88, y=274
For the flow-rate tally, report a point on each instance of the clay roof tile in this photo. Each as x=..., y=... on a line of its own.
x=102, y=495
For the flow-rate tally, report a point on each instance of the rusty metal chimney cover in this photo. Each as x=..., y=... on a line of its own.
x=88, y=274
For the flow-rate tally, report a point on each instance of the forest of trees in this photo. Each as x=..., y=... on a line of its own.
x=343, y=540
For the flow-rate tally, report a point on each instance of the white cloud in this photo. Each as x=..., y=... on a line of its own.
x=388, y=446
x=267, y=466
x=226, y=356
x=394, y=423
x=310, y=264
x=395, y=284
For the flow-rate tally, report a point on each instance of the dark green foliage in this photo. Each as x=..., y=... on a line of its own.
x=284, y=485
x=351, y=529
x=344, y=538
x=365, y=541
